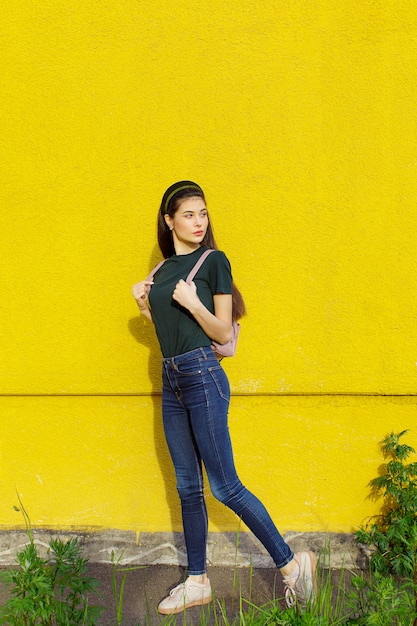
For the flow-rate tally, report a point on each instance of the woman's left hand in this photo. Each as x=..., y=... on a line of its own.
x=186, y=295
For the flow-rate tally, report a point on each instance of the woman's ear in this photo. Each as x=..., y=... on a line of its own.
x=168, y=221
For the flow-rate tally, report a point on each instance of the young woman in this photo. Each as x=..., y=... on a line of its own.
x=195, y=396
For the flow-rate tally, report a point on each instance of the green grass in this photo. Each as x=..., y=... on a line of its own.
x=344, y=597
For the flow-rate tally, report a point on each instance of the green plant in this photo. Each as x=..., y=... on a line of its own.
x=393, y=533
x=381, y=601
x=118, y=592
x=49, y=591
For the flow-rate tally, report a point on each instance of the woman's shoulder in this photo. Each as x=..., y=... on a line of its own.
x=218, y=259
x=217, y=255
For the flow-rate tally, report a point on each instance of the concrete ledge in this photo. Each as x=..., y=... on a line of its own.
x=228, y=549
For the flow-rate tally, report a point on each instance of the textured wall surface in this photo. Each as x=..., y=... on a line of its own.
x=299, y=120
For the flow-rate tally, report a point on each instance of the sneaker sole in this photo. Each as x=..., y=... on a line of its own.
x=183, y=607
x=313, y=571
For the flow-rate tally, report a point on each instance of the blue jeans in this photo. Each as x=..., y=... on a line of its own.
x=195, y=403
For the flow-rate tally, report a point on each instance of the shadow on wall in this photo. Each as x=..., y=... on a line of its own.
x=144, y=333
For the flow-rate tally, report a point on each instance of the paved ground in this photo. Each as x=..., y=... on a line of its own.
x=245, y=572
x=234, y=588
x=145, y=588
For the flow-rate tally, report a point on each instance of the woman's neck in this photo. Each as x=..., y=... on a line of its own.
x=183, y=250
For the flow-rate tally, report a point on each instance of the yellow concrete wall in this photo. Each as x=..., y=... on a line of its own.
x=299, y=120
x=102, y=462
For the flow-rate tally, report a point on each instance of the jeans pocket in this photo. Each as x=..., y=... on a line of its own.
x=188, y=368
x=221, y=381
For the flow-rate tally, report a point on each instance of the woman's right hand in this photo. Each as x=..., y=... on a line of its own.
x=140, y=293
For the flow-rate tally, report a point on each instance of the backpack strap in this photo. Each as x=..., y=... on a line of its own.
x=197, y=266
x=190, y=276
x=153, y=272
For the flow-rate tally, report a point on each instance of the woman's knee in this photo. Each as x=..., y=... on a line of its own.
x=190, y=494
x=227, y=494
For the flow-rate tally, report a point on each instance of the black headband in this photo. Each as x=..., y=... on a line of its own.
x=176, y=188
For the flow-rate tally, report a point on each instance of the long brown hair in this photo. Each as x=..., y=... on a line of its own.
x=171, y=201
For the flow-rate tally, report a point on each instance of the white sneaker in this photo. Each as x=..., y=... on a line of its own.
x=184, y=596
x=301, y=588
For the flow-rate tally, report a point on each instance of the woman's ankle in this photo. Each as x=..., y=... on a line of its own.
x=290, y=569
x=199, y=578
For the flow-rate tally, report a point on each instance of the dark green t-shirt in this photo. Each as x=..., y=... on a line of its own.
x=176, y=328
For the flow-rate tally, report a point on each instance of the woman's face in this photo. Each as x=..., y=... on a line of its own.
x=189, y=224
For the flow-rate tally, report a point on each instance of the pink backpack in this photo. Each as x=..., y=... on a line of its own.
x=221, y=350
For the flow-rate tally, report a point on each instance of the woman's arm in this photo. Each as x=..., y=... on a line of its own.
x=140, y=293
x=218, y=326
